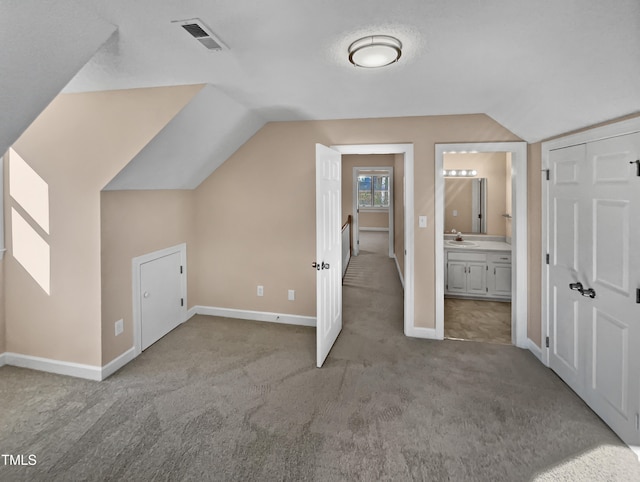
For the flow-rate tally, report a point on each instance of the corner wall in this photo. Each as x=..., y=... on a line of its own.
x=256, y=214
x=77, y=145
x=136, y=223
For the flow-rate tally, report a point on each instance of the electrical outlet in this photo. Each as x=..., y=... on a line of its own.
x=422, y=221
x=260, y=290
x=119, y=327
x=292, y=295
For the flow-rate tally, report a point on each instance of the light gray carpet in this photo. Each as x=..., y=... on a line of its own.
x=222, y=399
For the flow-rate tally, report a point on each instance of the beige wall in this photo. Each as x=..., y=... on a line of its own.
x=268, y=237
x=136, y=223
x=458, y=214
x=373, y=220
x=398, y=209
x=490, y=165
x=77, y=145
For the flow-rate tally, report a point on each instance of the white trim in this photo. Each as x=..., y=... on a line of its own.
x=535, y=349
x=357, y=210
x=375, y=229
x=407, y=150
x=79, y=370
x=136, y=264
x=395, y=258
x=3, y=359
x=2, y=245
x=597, y=133
x=519, y=232
x=253, y=315
x=118, y=362
x=419, y=332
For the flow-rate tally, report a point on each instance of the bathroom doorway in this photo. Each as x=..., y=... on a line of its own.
x=481, y=273
x=477, y=246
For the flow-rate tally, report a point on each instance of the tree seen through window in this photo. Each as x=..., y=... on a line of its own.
x=373, y=191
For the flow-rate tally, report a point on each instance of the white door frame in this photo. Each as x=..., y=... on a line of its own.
x=137, y=263
x=407, y=150
x=356, y=209
x=598, y=133
x=519, y=290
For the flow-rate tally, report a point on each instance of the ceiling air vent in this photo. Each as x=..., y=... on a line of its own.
x=198, y=30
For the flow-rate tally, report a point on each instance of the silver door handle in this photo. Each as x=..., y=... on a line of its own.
x=325, y=265
x=576, y=286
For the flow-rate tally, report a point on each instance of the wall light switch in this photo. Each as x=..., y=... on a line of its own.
x=292, y=295
x=422, y=221
x=119, y=327
x=455, y=212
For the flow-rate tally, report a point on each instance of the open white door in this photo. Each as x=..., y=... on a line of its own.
x=328, y=250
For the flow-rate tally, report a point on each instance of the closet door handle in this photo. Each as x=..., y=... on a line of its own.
x=576, y=286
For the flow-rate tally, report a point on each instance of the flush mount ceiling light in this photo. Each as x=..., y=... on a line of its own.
x=375, y=51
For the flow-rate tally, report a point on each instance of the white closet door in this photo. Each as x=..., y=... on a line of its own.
x=611, y=267
x=594, y=227
x=567, y=337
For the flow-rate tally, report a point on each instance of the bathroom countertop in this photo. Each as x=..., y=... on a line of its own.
x=480, y=246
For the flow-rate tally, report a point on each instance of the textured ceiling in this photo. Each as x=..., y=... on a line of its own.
x=540, y=67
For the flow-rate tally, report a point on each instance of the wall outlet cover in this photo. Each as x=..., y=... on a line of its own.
x=260, y=290
x=292, y=295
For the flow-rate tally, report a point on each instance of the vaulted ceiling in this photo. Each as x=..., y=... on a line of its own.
x=540, y=68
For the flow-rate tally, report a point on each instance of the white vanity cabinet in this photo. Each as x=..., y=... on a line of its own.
x=499, y=275
x=475, y=274
x=466, y=273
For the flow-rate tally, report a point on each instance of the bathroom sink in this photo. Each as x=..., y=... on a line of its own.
x=467, y=244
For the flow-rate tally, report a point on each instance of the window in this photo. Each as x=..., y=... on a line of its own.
x=373, y=191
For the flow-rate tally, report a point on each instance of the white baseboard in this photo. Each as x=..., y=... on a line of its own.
x=362, y=228
x=117, y=363
x=79, y=370
x=535, y=349
x=3, y=359
x=418, y=332
x=399, y=272
x=253, y=315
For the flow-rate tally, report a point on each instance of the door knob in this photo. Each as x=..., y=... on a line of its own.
x=576, y=286
x=590, y=292
x=315, y=265
x=325, y=265
x=146, y=294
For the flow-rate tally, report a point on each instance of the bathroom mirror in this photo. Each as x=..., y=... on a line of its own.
x=465, y=205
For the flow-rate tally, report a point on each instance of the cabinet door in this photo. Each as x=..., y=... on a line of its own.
x=457, y=277
x=502, y=279
x=476, y=278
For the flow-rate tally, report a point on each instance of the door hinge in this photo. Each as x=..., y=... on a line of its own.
x=181, y=301
x=494, y=271
x=638, y=295
x=180, y=269
x=547, y=342
x=547, y=258
x=637, y=421
x=358, y=242
x=547, y=173
x=487, y=288
x=637, y=163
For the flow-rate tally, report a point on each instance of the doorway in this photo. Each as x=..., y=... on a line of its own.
x=373, y=195
x=518, y=257
x=404, y=257
x=477, y=212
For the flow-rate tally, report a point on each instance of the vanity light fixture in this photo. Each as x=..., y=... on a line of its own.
x=375, y=51
x=460, y=173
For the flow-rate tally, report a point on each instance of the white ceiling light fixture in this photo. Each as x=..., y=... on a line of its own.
x=375, y=51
